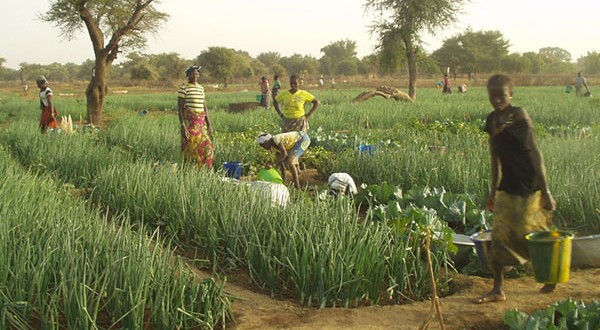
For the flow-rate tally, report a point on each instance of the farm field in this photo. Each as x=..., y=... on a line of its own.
x=320, y=263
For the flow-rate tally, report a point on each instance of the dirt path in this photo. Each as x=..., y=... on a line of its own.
x=259, y=311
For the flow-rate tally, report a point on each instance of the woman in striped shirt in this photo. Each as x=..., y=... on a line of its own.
x=196, y=144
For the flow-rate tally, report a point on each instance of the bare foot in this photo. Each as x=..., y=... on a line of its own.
x=548, y=288
x=490, y=297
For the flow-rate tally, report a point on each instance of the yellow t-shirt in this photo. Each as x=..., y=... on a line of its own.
x=293, y=104
x=288, y=139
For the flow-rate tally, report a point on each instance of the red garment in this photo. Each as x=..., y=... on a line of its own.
x=46, y=120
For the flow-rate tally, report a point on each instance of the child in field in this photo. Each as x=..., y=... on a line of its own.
x=519, y=195
x=288, y=147
x=49, y=113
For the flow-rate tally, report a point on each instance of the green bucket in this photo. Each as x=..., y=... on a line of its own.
x=550, y=253
x=269, y=175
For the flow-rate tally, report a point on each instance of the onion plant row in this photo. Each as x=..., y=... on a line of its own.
x=65, y=265
x=319, y=252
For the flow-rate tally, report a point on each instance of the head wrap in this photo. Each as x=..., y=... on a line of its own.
x=192, y=68
x=41, y=80
x=263, y=138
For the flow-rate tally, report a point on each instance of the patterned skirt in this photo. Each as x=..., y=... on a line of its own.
x=291, y=125
x=197, y=147
x=515, y=217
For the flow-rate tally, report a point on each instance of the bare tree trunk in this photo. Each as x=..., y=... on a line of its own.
x=96, y=92
x=412, y=68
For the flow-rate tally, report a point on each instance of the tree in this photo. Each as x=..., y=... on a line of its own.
x=515, y=63
x=451, y=55
x=590, y=62
x=556, y=54
x=472, y=52
x=170, y=67
x=369, y=65
x=408, y=19
x=113, y=26
x=298, y=64
x=269, y=58
x=339, y=58
x=220, y=62
x=27, y=71
x=536, y=63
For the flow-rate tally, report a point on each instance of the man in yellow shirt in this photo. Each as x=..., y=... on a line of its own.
x=289, y=105
x=288, y=148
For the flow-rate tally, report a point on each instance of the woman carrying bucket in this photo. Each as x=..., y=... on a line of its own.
x=519, y=195
x=49, y=113
x=196, y=145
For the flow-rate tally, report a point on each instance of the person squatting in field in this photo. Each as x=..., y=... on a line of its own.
x=519, y=195
x=49, y=113
x=293, y=115
x=288, y=148
x=341, y=184
x=196, y=144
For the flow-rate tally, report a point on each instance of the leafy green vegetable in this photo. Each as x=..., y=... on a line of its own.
x=562, y=315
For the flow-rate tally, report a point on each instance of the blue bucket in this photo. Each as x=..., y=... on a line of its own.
x=233, y=169
x=366, y=149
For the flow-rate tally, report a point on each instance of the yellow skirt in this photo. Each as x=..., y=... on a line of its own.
x=514, y=217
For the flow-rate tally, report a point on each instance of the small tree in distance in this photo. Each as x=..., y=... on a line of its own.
x=124, y=22
x=406, y=20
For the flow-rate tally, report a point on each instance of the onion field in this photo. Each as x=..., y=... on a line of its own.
x=92, y=223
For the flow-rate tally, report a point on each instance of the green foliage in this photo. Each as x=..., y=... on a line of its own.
x=562, y=315
x=65, y=265
x=460, y=211
x=112, y=17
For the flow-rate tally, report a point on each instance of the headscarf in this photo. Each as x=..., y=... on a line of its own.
x=192, y=68
x=41, y=80
x=264, y=138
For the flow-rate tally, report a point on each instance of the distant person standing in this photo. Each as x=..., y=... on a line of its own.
x=265, y=91
x=49, y=113
x=321, y=82
x=580, y=83
x=196, y=144
x=446, y=85
x=290, y=107
x=276, y=89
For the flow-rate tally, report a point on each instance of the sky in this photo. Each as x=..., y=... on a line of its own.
x=300, y=27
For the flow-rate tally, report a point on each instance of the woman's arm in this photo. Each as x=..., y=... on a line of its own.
x=281, y=154
x=51, y=106
x=315, y=105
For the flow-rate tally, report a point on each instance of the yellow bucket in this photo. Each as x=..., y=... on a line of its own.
x=550, y=253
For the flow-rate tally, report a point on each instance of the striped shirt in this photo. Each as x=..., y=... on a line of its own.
x=193, y=94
